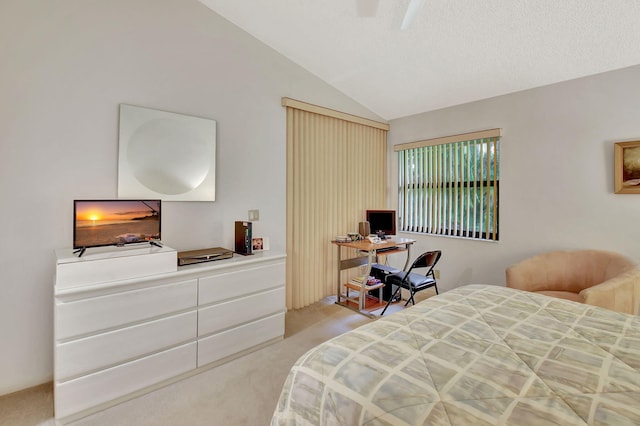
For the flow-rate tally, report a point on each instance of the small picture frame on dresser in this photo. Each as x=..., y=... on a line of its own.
x=259, y=243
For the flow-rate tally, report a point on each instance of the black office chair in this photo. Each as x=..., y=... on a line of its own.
x=412, y=281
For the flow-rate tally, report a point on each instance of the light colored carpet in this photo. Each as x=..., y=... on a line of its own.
x=241, y=392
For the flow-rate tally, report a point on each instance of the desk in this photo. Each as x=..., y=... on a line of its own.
x=366, y=246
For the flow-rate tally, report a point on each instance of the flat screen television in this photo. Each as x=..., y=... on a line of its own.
x=115, y=222
x=382, y=222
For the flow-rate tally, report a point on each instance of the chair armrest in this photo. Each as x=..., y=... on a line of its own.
x=620, y=293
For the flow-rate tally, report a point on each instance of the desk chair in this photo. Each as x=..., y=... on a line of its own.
x=412, y=281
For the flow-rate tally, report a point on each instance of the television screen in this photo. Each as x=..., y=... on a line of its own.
x=382, y=221
x=115, y=222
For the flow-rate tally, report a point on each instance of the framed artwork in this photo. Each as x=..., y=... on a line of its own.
x=165, y=155
x=627, y=167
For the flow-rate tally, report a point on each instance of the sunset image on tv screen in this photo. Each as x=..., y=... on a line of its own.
x=115, y=222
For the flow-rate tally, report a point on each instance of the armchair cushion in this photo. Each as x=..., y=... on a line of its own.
x=568, y=275
x=621, y=293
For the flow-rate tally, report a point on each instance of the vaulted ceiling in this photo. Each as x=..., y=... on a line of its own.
x=453, y=52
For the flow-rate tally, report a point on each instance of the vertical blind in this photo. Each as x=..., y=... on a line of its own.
x=336, y=169
x=450, y=188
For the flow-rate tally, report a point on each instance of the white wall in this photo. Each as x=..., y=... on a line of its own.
x=556, y=183
x=65, y=66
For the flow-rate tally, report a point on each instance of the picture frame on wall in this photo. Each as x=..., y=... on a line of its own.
x=166, y=155
x=627, y=167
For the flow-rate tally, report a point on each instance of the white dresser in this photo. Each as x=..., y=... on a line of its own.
x=121, y=330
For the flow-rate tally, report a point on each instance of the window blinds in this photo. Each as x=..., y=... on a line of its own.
x=450, y=188
x=336, y=169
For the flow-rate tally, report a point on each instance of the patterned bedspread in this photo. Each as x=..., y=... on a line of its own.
x=476, y=355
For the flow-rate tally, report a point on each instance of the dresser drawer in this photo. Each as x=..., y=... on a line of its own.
x=229, y=314
x=109, y=264
x=233, y=284
x=88, y=391
x=107, y=349
x=229, y=342
x=104, y=312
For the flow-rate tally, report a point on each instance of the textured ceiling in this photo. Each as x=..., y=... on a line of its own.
x=455, y=51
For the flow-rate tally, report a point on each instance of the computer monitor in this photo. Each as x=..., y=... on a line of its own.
x=382, y=221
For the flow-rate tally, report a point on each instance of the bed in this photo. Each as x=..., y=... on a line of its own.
x=476, y=355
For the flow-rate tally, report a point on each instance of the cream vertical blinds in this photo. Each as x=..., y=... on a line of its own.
x=336, y=169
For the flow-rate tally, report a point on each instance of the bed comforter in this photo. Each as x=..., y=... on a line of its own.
x=476, y=355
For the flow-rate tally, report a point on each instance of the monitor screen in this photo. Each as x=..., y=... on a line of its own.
x=115, y=222
x=382, y=221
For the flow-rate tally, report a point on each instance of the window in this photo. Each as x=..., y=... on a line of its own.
x=450, y=186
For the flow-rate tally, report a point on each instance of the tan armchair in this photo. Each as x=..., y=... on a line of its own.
x=594, y=277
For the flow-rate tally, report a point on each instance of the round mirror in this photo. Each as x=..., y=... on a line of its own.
x=168, y=157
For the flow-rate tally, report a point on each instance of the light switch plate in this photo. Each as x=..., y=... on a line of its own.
x=254, y=215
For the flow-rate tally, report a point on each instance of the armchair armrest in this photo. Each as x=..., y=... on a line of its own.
x=620, y=293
